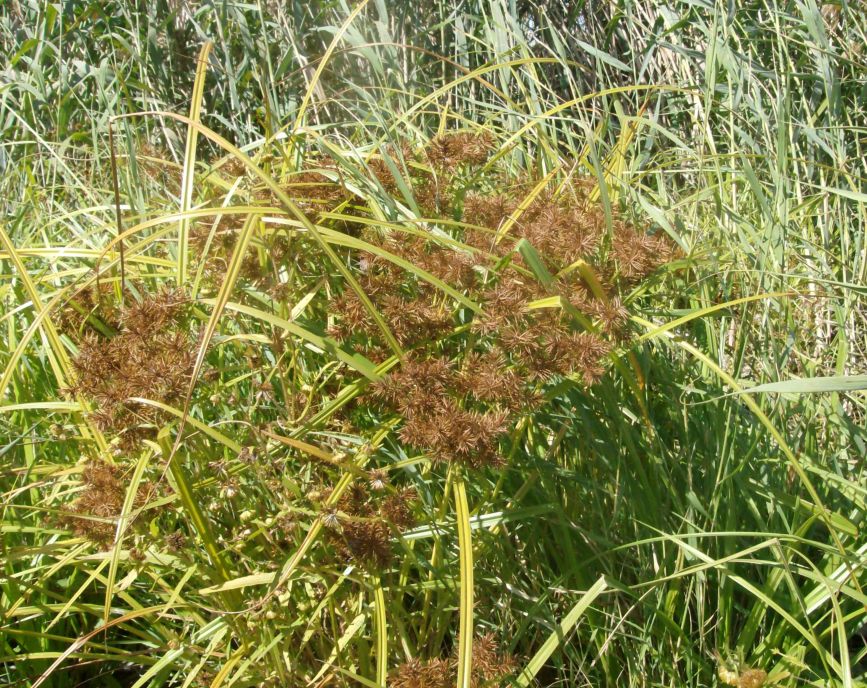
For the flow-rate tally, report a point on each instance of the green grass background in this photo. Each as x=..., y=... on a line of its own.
x=721, y=502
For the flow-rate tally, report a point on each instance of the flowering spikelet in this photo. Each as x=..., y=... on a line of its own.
x=431, y=195
x=153, y=314
x=418, y=673
x=412, y=318
x=460, y=412
x=417, y=383
x=487, y=211
x=175, y=541
x=753, y=678
x=233, y=167
x=744, y=678
x=378, y=479
x=354, y=318
x=472, y=438
x=423, y=430
x=354, y=500
x=488, y=377
x=330, y=519
x=637, y=255
x=562, y=233
x=415, y=320
x=451, y=266
x=93, y=515
x=384, y=175
x=455, y=434
x=367, y=542
x=149, y=358
x=610, y=313
x=210, y=246
x=517, y=339
x=562, y=352
x=92, y=302
x=490, y=667
x=381, y=170
x=359, y=530
x=397, y=508
x=504, y=302
x=447, y=151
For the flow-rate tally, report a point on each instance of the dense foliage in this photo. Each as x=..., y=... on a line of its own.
x=432, y=344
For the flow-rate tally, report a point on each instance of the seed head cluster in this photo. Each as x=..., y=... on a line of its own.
x=490, y=668
x=424, y=673
x=93, y=515
x=88, y=309
x=359, y=526
x=430, y=173
x=434, y=399
x=458, y=394
x=447, y=151
x=273, y=251
x=470, y=369
x=151, y=357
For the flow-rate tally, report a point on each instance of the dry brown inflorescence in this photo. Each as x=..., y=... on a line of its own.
x=465, y=377
x=359, y=526
x=150, y=357
x=93, y=515
x=90, y=310
x=469, y=369
x=273, y=248
x=489, y=669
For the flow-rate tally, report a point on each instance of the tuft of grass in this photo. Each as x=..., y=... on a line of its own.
x=513, y=344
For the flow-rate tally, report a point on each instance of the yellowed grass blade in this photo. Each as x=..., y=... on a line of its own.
x=381, y=634
x=465, y=637
x=189, y=173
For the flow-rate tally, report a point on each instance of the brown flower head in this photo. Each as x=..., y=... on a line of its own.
x=397, y=508
x=154, y=314
x=93, y=515
x=451, y=433
x=416, y=320
x=417, y=383
x=447, y=151
x=490, y=666
x=89, y=308
x=418, y=673
x=487, y=211
x=378, y=479
x=366, y=541
x=151, y=357
x=489, y=377
x=637, y=255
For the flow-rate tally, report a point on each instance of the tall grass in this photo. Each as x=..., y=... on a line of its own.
x=692, y=518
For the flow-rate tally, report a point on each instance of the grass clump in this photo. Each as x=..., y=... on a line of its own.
x=475, y=344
